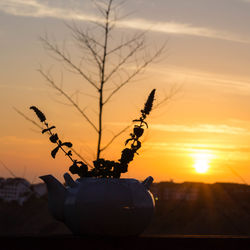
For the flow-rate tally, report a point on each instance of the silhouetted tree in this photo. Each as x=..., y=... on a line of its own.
x=109, y=59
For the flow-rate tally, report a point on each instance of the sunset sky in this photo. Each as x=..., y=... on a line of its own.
x=206, y=124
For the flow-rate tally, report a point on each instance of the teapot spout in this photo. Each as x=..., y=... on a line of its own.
x=56, y=196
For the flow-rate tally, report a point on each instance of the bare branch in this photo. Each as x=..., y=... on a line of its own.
x=86, y=40
x=52, y=83
x=74, y=27
x=93, y=52
x=27, y=118
x=39, y=126
x=173, y=91
x=8, y=169
x=124, y=60
x=114, y=137
x=84, y=160
x=99, y=8
x=136, y=38
x=55, y=49
x=135, y=73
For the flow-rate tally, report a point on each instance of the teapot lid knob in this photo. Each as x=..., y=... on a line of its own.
x=148, y=181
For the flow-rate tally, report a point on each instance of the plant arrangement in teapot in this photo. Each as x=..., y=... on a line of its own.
x=101, y=167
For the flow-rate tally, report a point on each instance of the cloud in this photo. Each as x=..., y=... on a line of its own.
x=182, y=29
x=194, y=148
x=20, y=87
x=39, y=9
x=14, y=140
x=225, y=83
x=34, y=8
x=201, y=128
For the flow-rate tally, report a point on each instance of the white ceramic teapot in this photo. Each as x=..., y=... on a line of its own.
x=101, y=206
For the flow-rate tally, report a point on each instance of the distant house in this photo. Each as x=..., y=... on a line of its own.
x=235, y=188
x=180, y=193
x=39, y=189
x=172, y=191
x=14, y=189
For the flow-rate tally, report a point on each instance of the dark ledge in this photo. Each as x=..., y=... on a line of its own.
x=59, y=242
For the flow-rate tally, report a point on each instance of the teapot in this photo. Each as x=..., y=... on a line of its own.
x=101, y=206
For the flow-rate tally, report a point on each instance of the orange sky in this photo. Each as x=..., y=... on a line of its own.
x=207, y=60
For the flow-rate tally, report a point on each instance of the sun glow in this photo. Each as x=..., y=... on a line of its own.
x=201, y=162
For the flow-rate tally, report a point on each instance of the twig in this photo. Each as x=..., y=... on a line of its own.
x=39, y=126
x=114, y=137
x=7, y=169
x=68, y=98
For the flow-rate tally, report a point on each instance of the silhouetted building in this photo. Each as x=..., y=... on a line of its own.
x=173, y=191
x=39, y=189
x=14, y=189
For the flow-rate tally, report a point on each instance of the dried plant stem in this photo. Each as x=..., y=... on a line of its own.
x=111, y=61
x=114, y=137
x=58, y=144
x=41, y=127
x=46, y=76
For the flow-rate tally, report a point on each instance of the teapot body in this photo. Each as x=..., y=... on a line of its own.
x=108, y=206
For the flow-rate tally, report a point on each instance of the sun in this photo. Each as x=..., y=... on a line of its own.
x=201, y=166
x=201, y=162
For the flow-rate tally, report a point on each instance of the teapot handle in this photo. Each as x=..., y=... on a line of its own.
x=69, y=181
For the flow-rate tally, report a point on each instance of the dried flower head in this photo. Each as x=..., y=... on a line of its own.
x=149, y=103
x=39, y=113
